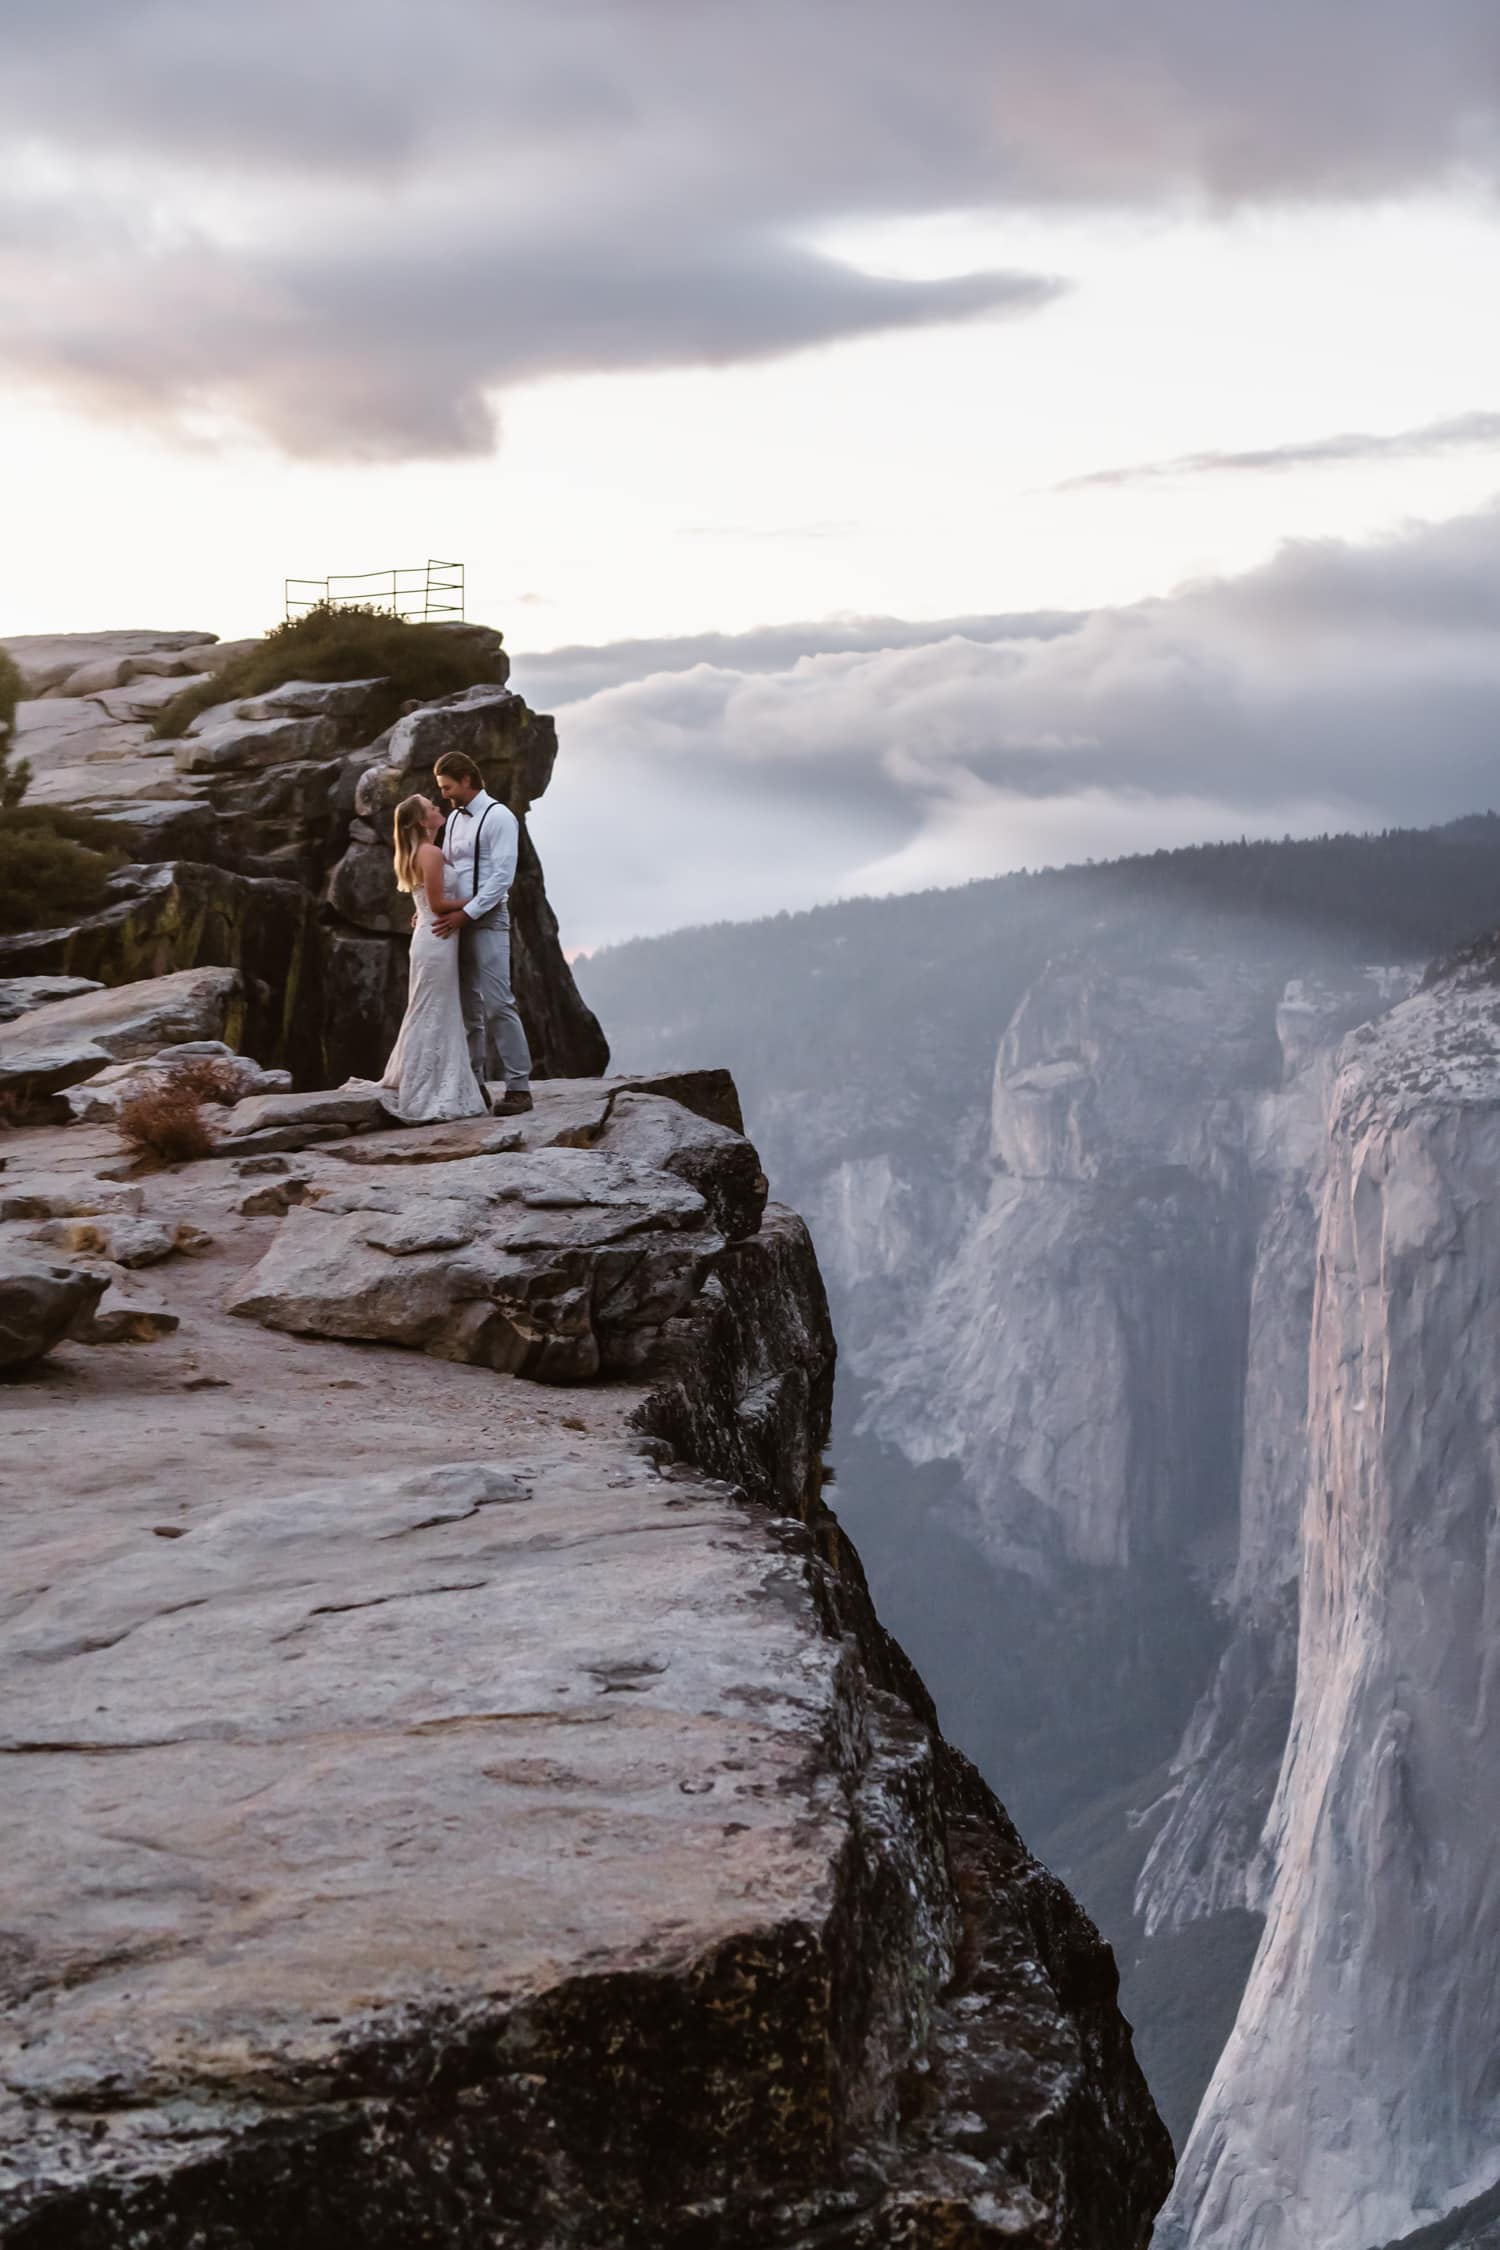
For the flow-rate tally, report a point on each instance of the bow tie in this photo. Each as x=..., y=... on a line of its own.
x=463, y=812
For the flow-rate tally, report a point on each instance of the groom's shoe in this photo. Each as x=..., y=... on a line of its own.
x=515, y=1104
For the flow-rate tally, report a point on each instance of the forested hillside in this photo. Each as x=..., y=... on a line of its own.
x=875, y=991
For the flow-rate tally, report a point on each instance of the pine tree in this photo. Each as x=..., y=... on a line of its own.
x=14, y=778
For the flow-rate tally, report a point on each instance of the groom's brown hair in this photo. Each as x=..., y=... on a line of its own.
x=457, y=765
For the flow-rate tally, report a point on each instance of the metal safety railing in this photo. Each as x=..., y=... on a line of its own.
x=425, y=594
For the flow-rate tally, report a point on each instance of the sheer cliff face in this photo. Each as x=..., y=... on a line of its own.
x=1206, y=1856
x=1357, y=2096
x=1138, y=1265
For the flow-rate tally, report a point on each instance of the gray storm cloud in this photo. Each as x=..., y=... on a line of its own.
x=350, y=224
x=1338, y=686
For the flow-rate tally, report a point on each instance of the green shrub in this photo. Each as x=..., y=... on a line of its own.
x=420, y=661
x=54, y=866
x=13, y=778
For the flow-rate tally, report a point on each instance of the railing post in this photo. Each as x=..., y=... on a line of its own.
x=440, y=583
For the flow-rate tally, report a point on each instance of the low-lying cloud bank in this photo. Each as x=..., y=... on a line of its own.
x=1339, y=686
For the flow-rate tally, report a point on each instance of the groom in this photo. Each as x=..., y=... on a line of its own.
x=480, y=844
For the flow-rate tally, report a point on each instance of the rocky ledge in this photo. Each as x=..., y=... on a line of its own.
x=444, y=1805
x=260, y=840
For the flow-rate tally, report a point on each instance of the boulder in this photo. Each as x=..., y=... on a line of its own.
x=484, y=642
x=351, y=704
x=142, y=694
x=91, y=679
x=123, y=1241
x=68, y=1195
x=514, y=747
x=362, y=890
x=271, y=1201
x=19, y=995
x=279, y=820
x=98, y=1100
x=223, y=653
x=57, y=1045
x=48, y=660
x=352, y=1108
x=561, y=1266
x=709, y=1093
x=216, y=742
x=119, y=1318
x=720, y=1164
x=39, y=1304
x=62, y=737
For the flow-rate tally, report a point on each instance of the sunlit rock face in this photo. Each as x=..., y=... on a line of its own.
x=1357, y=2099
x=1205, y=1858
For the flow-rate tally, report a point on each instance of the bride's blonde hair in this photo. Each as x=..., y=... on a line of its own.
x=411, y=835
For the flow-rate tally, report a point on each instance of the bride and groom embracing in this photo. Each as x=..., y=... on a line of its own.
x=460, y=1004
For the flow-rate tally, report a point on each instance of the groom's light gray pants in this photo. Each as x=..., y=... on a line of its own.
x=491, y=1017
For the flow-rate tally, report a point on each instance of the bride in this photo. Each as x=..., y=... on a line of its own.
x=429, y=1075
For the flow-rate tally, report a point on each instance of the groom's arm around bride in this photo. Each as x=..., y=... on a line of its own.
x=481, y=845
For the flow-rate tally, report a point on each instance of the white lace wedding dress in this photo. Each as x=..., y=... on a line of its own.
x=429, y=1075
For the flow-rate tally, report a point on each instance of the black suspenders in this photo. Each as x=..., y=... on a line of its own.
x=479, y=831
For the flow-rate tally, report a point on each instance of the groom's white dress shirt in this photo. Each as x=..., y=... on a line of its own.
x=499, y=836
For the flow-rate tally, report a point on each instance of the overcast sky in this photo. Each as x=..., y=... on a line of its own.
x=1000, y=430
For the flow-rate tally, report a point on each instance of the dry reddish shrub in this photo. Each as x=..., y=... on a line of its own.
x=167, y=1122
x=208, y=1078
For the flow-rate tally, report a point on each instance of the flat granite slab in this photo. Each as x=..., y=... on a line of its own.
x=437, y=1812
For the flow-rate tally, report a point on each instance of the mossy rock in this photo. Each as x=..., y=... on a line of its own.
x=184, y=915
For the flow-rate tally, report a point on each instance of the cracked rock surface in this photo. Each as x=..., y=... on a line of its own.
x=443, y=1806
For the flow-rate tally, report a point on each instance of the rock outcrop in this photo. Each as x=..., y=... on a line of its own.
x=494, y=1809
x=260, y=841
x=179, y=915
x=18, y=995
x=1355, y=2101
x=39, y=1305
x=65, y=1041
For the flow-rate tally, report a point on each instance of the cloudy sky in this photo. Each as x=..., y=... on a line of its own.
x=900, y=443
